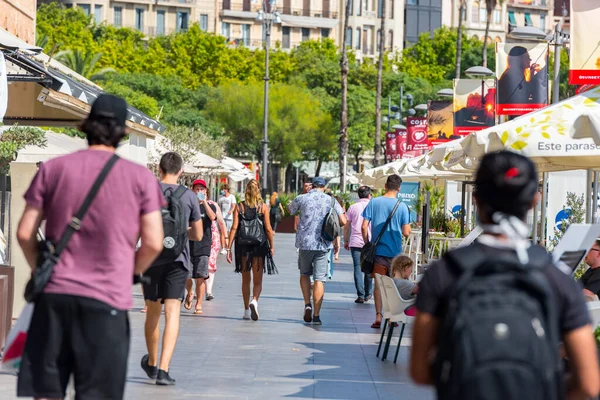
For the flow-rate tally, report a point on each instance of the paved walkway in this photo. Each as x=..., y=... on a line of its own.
x=220, y=356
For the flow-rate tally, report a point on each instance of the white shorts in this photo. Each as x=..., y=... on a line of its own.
x=228, y=224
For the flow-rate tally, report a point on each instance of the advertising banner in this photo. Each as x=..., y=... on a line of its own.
x=440, y=123
x=416, y=134
x=584, y=52
x=400, y=141
x=474, y=105
x=392, y=152
x=522, y=72
x=409, y=194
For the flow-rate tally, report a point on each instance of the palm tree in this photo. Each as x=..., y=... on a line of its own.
x=490, y=5
x=461, y=13
x=84, y=63
x=381, y=45
x=343, y=140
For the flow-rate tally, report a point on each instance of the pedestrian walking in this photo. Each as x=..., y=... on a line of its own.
x=354, y=242
x=218, y=232
x=389, y=218
x=227, y=202
x=200, y=251
x=80, y=326
x=168, y=275
x=591, y=278
x=276, y=211
x=495, y=312
x=314, y=250
x=254, y=247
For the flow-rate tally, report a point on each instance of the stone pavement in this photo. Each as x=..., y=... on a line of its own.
x=221, y=356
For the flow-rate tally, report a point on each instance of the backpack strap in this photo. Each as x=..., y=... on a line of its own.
x=177, y=194
x=387, y=222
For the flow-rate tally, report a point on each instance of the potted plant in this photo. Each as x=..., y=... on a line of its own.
x=452, y=228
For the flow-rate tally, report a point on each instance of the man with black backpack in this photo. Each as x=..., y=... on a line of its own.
x=317, y=229
x=491, y=316
x=169, y=273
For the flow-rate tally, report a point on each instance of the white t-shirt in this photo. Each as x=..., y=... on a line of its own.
x=226, y=203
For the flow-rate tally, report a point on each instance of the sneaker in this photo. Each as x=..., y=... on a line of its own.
x=224, y=252
x=308, y=313
x=254, y=310
x=152, y=372
x=246, y=314
x=317, y=320
x=209, y=297
x=359, y=300
x=164, y=379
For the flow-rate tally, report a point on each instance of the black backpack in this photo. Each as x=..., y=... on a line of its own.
x=499, y=338
x=175, y=226
x=331, y=229
x=251, y=231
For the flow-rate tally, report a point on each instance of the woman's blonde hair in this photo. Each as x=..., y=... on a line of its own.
x=273, y=199
x=401, y=264
x=252, y=195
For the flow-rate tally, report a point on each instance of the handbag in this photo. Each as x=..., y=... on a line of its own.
x=49, y=253
x=251, y=231
x=368, y=252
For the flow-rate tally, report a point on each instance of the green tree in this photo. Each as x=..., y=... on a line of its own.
x=68, y=28
x=296, y=120
x=15, y=139
x=83, y=62
x=190, y=140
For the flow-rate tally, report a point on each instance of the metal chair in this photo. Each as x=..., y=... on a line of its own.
x=396, y=306
x=384, y=308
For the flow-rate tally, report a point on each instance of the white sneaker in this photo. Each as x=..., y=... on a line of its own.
x=224, y=251
x=254, y=310
x=246, y=314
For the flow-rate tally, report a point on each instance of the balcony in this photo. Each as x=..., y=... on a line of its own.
x=174, y=3
x=227, y=7
x=530, y=4
x=152, y=31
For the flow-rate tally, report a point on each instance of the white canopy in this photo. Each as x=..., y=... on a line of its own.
x=58, y=145
x=563, y=136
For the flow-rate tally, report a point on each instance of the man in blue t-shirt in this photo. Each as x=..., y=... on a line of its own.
x=390, y=245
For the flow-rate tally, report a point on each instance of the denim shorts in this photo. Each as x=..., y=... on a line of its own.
x=315, y=263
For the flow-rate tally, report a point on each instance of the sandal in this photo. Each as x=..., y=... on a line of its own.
x=377, y=324
x=198, y=311
x=187, y=304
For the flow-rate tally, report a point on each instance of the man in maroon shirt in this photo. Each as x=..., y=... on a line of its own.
x=80, y=325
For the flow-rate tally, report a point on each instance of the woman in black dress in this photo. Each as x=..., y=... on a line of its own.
x=252, y=260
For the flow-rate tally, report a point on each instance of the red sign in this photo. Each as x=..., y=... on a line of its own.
x=392, y=151
x=401, y=142
x=584, y=76
x=416, y=128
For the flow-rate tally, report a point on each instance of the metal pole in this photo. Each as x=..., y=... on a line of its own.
x=588, y=197
x=557, y=49
x=267, y=27
x=595, y=199
x=544, y=207
x=400, y=105
x=297, y=179
x=534, y=225
x=462, y=210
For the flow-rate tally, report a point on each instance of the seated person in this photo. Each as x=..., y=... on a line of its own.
x=591, y=278
x=402, y=267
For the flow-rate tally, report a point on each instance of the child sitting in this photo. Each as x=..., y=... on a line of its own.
x=402, y=267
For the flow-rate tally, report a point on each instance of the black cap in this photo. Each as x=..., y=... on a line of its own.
x=109, y=106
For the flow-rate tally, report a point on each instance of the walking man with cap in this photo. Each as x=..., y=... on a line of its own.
x=80, y=326
x=200, y=251
x=314, y=251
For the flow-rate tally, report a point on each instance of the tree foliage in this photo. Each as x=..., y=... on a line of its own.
x=198, y=80
x=15, y=139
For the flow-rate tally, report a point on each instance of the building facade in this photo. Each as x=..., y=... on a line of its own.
x=18, y=18
x=152, y=18
x=364, y=26
x=537, y=13
x=301, y=20
x=421, y=16
x=475, y=19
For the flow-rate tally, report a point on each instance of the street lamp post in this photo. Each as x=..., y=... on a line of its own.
x=267, y=16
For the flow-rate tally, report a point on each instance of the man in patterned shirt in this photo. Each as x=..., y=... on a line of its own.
x=313, y=249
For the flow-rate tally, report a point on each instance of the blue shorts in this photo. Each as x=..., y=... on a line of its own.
x=315, y=263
